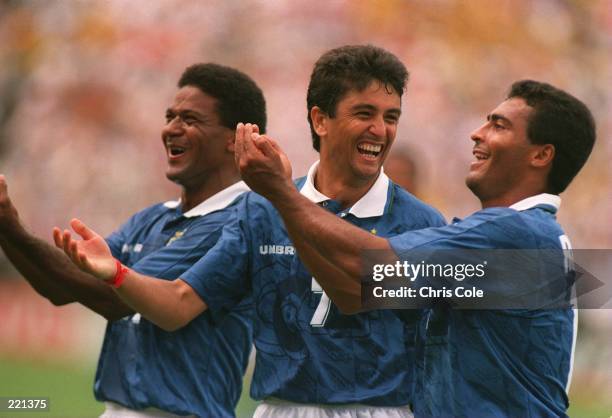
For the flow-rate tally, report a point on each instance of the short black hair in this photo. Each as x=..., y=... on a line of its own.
x=350, y=67
x=239, y=98
x=561, y=120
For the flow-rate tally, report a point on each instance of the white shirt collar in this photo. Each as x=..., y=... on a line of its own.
x=216, y=202
x=540, y=199
x=371, y=204
x=309, y=190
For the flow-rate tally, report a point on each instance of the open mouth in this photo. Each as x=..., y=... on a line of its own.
x=175, y=151
x=369, y=150
x=480, y=155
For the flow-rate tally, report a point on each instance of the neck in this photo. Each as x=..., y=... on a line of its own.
x=193, y=195
x=335, y=184
x=510, y=198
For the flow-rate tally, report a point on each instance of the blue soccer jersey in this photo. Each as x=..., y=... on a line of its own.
x=198, y=369
x=494, y=363
x=307, y=351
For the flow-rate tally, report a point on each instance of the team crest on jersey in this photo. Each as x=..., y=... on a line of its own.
x=276, y=249
x=177, y=235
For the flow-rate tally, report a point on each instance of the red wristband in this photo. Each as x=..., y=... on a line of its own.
x=119, y=275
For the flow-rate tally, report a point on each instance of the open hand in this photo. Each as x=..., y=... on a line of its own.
x=91, y=254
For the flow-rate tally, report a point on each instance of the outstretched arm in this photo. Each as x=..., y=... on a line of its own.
x=170, y=304
x=48, y=270
x=331, y=248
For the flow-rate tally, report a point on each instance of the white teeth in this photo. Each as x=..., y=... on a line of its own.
x=369, y=147
x=480, y=155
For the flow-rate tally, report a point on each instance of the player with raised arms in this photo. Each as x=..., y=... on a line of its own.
x=146, y=370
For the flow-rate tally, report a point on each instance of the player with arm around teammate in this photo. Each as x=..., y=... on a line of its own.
x=311, y=359
x=478, y=363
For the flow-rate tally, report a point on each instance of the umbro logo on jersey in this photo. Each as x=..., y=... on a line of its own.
x=276, y=249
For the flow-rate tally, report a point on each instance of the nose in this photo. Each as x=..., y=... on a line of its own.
x=478, y=134
x=378, y=127
x=174, y=127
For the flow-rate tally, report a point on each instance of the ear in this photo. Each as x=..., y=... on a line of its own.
x=543, y=155
x=319, y=120
x=230, y=139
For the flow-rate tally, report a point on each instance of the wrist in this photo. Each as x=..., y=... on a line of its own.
x=120, y=272
x=12, y=229
x=287, y=198
x=282, y=194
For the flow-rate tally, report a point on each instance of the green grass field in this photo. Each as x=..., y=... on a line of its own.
x=69, y=389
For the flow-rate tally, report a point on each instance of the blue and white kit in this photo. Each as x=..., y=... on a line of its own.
x=495, y=363
x=198, y=369
x=307, y=351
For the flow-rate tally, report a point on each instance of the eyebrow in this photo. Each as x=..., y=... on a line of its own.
x=184, y=113
x=494, y=117
x=366, y=106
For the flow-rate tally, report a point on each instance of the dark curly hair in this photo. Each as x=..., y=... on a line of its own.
x=239, y=99
x=561, y=120
x=351, y=67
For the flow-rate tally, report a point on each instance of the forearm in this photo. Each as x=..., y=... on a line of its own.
x=338, y=241
x=341, y=288
x=169, y=304
x=47, y=288
x=55, y=277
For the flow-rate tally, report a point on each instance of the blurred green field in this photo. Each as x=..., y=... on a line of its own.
x=69, y=389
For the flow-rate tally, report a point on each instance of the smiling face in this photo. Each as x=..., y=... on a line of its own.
x=357, y=139
x=195, y=142
x=503, y=153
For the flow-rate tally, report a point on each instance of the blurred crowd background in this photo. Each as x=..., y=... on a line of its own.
x=84, y=86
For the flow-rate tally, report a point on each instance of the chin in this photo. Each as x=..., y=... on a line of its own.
x=174, y=177
x=368, y=176
x=472, y=184
x=368, y=170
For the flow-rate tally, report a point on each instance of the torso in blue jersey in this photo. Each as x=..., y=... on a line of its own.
x=307, y=351
x=494, y=363
x=198, y=369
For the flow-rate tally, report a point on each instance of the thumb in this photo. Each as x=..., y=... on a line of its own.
x=82, y=229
